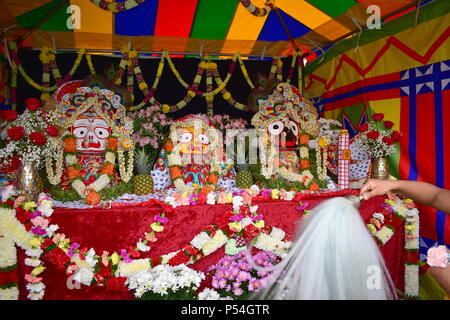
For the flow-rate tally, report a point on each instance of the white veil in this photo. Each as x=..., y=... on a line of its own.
x=333, y=257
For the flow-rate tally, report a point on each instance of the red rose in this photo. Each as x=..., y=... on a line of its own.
x=396, y=135
x=52, y=131
x=377, y=116
x=8, y=115
x=16, y=133
x=388, y=124
x=190, y=250
x=373, y=135
x=179, y=258
x=58, y=257
x=250, y=232
x=38, y=138
x=388, y=141
x=363, y=127
x=33, y=103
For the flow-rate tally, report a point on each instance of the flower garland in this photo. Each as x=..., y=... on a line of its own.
x=28, y=226
x=256, y=11
x=48, y=58
x=116, y=6
x=322, y=164
x=244, y=72
x=392, y=214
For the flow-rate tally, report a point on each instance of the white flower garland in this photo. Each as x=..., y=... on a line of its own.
x=126, y=171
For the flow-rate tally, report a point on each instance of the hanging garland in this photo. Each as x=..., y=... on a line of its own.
x=47, y=58
x=244, y=72
x=115, y=6
x=256, y=11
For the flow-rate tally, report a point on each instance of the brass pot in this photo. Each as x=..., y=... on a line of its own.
x=28, y=181
x=380, y=169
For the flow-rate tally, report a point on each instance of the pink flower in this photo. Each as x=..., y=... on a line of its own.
x=221, y=198
x=40, y=222
x=283, y=194
x=143, y=141
x=437, y=257
x=247, y=198
x=18, y=201
x=104, y=260
x=32, y=279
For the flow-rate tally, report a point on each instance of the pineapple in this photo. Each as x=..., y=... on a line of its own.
x=143, y=181
x=244, y=177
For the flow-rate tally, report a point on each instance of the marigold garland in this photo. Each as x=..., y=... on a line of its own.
x=116, y=6
x=256, y=11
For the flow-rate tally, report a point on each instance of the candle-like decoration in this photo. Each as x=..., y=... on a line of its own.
x=344, y=157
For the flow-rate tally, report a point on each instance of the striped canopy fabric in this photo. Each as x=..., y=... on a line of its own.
x=192, y=26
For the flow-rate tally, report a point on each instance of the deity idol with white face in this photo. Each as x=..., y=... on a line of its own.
x=96, y=131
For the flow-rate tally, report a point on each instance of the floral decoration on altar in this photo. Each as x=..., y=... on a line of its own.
x=378, y=136
x=97, y=132
x=28, y=224
x=30, y=135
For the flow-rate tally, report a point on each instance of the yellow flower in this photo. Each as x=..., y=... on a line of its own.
x=38, y=270
x=202, y=65
x=391, y=202
x=29, y=205
x=324, y=142
x=45, y=96
x=372, y=228
x=157, y=227
x=226, y=95
x=260, y=224
x=35, y=242
x=212, y=65
x=165, y=108
x=133, y=53
x=143, y=85
x=275, y=194
x=209, y=98
x=115, y=258
x=191, y=93
x=235, y=226
x=408, y=201
x=409, y=227
x=229, y=198
x=118, y=81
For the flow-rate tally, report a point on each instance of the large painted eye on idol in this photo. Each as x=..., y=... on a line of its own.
x=203, y=138
x=80, y=132
x=294, y=127
x=101, y=133
x=185, y=137
x=276, y=128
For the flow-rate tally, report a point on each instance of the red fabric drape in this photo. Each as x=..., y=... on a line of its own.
x=118, y=228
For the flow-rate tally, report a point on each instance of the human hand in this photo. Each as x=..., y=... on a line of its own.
x=375, y=187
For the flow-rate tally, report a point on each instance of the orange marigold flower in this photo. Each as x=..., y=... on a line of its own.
x=70, y=145
x=73, y=173
x=304, y=139
x=314, y=187
x=168, y=146
x=93, y=198
x=213, y=178
x=108, y=169
x=304, y=164
x=174, y=172
x=112, y=144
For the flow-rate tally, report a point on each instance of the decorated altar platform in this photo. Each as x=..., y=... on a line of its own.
x=119, y=228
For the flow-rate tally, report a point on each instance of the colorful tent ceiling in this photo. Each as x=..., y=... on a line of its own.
x=193, y=25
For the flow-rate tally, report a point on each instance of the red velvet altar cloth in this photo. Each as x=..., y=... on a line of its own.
x=117, y=228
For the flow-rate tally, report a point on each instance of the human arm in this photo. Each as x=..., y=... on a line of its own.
x=421, y=192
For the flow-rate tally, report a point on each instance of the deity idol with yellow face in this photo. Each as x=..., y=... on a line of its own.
x=96, y=131
x=193, y=152
x=286, y=123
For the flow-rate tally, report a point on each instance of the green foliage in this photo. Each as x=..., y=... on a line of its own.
x=106, y=194
x=181, y=294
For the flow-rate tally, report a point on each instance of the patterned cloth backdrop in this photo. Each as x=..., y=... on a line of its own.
x=404, y=74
